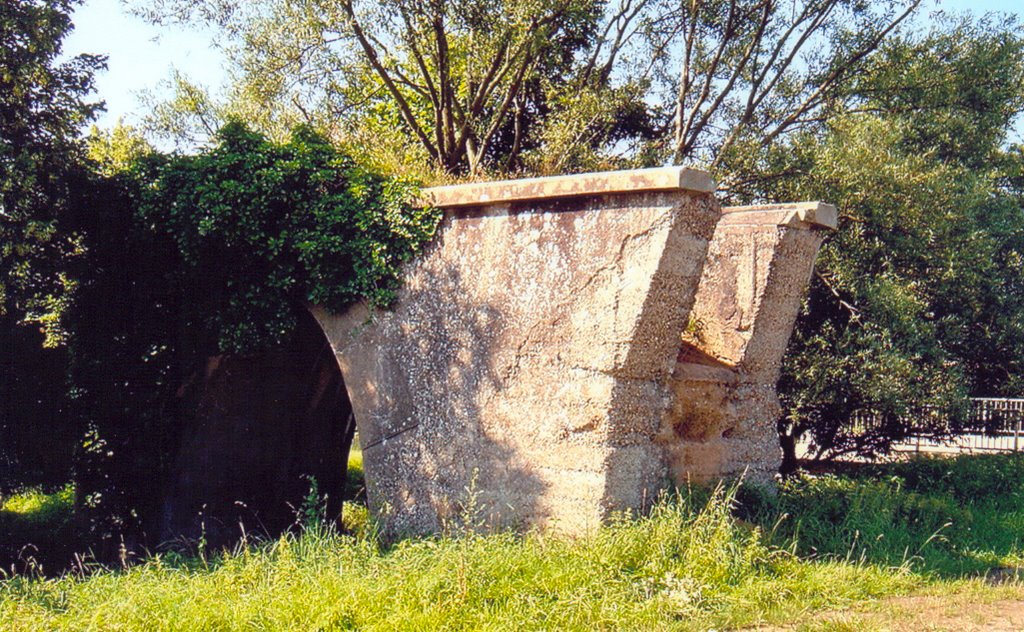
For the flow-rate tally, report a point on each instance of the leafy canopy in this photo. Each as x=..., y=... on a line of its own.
x=458, y=87
x=263, y=229
x=916, y=301
x=42, y=108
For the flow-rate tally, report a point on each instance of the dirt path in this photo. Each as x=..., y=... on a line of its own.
x=998, y=609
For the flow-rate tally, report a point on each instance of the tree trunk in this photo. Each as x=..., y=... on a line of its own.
x=790, y=463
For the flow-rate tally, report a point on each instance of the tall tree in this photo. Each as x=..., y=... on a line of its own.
x=467, y=83
x=43, y=105
x=758, y=69
x=916, y=301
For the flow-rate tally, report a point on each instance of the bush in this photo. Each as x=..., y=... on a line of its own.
x=997, y=478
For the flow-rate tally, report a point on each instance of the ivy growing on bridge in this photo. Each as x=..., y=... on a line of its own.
x=264, y=228
x=189, y=256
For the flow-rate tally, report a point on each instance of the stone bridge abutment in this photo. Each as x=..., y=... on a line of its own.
x=567, y=346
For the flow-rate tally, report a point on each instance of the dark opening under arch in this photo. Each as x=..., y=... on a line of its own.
x=255, y=429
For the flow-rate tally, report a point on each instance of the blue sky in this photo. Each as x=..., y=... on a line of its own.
x=141, y=57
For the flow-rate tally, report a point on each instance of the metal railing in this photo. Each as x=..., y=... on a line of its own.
x=994, y=424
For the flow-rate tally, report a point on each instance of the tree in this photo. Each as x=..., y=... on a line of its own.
x=758, y=69
x=916, y=300
x=43, y=105
x=42, y=109
x=466, y=86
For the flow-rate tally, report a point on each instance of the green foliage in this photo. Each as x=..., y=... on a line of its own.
x=915, y=303
x=575, y=135
x=39, y=508
x=264, y=229
x=435, y=89
x=191, y=116
x=42, y=108
x=870, y=338
x=948, y=517
x=967, y=479
x=43, y=105
x=113, y=152
x=957, y=88
x=312, y=513
x=188, y=257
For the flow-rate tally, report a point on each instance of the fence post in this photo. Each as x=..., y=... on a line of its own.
x=1016, y=433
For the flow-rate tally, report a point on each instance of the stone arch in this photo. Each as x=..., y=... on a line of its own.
x=255, y=428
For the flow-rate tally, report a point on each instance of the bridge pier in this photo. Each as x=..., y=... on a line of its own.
x=722, y=420
x=529, y=372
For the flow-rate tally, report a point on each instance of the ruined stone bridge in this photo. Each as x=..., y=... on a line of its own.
x=567, y=346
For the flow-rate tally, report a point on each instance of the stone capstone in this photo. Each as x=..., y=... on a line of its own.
x=560, y=346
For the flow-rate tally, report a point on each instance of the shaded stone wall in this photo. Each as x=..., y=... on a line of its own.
x=528, y=374
x=722, y=422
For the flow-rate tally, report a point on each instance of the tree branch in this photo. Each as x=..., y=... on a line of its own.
x=396, y=94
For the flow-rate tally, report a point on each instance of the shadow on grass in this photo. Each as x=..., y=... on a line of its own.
x=38, y=533
x=40, y=537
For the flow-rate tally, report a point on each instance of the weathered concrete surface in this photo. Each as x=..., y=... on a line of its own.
x=525, y=365
x=723, y=418
x=528, y=374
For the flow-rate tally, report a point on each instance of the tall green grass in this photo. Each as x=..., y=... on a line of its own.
x=687, y=565
x=949, y=517
x=722, y=558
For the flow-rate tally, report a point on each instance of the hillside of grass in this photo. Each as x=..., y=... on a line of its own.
x=725, y=558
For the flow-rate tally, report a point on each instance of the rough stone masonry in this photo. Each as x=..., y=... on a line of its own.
x=566, y=347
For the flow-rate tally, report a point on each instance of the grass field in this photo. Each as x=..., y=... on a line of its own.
x=703, y=559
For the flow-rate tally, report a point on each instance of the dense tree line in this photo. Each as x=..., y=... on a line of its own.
x=916, y=302
x=44, y=101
